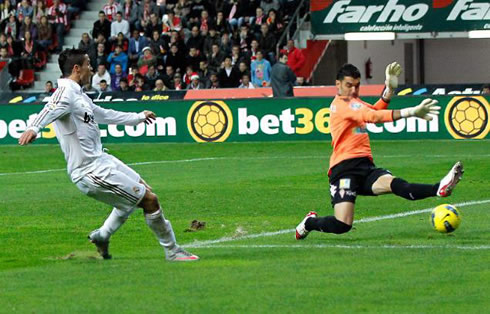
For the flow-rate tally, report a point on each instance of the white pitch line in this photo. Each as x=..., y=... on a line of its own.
x=342, y=246
x=143, y=163
x=363, y=220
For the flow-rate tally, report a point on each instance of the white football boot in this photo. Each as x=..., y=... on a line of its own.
x=101, y=244
x=301, y=231
x=448, y=183
x=180, y=255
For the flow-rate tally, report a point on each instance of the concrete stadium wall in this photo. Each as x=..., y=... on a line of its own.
x=447, y=61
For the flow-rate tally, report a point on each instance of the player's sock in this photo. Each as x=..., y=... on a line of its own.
x=115, y=220
x=327, y=224
x=162, y=228
x=413, y=191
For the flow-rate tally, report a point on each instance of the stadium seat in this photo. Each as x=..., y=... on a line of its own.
x=40, y=60
x=26, y=78
x=2, y=64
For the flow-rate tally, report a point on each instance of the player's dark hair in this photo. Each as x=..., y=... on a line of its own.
x=69, y=58
x=348, y=70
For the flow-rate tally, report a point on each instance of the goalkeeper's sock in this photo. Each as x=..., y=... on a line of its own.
x=413, y=191
x=115, y=220
x=328, y=224
x=162, y=228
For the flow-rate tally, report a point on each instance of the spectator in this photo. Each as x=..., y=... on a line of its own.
x=216, y=58
x=48, y=87
x=12, y=26
x=236, y=56
x=6, y=9
x=102, y=26
x=243, y=69
x=4, y=55
x=139, y=83
x=158, y=45
x=485, y=90
x=145, y=9
x=296, y=59
x=13, y=47
x=119, y=26
x=3, y=40
x=98, y=57
x=248, y=12
x=246, y=82
x=39, y=11
x=178, y=84
x=205, y=21
x=133, y=71
x=117, y=77
x=44, y=33
x=146, y=60
x=121, y=41
x=57, y=16
x=259, y=19
x=118, y=57
x=228, y=76
x=213, y=81
x=282, y=77
x=233, y=9
x=204, y=72
x=110, y=9
x=211, y=39
x=196, y=9
x=101, y=74
x=251, y=54
x=175, y=59
x=168, y=76
x=27, y=25
x=222, y=25
x=268, y=5
x=104, y=87
x=193, y=59
x=29, y=49
x=24, y=9
x=244, y=38
x=136, y=45
x=102, y=40
x=159, y=86
x=261, y=71
x=151, y=76
x=130, y=11
x=267, y=42
x=86, y=43
x=187, y=76
x=226, y=44
x=171, y=22
x=124, y=86
x=274, y=23
x=153, y=25
x=196, y=40
x=195, y=83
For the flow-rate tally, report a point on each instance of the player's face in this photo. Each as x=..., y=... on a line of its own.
x=85, y=71
x=348, y=86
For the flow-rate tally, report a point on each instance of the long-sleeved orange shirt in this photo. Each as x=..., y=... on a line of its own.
x=348, y=118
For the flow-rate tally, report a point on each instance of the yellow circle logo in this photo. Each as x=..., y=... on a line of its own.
x=209, y=121
x=467, y=117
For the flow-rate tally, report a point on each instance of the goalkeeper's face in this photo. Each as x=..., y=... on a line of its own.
x=348, y=86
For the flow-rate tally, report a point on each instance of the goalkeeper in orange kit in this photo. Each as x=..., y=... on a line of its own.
x=352, y=171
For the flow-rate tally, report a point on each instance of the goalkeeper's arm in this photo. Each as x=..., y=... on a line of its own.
x=423, y=110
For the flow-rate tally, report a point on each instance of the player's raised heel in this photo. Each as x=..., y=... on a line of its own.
x=102, y=246
x=181, y=255
x=448, y=183
x=301, y=231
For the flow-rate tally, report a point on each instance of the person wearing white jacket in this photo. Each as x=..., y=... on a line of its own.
x=97, y=174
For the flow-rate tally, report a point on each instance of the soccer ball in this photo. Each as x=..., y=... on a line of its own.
x=445, y=218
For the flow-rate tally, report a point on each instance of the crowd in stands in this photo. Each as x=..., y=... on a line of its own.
x=162, y=45
x=29, y=31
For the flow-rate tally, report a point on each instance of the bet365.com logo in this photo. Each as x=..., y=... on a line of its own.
x=467, y=117
x=209, y=121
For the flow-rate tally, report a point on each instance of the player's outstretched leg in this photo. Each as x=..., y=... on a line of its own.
x=100, y=237
x=162, y=228
x=338, y=224
x=448, y=183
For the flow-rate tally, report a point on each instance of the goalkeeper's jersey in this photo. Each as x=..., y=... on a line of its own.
x=76, y=120
x=348, y=118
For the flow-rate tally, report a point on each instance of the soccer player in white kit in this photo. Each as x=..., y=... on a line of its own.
x=97, y=174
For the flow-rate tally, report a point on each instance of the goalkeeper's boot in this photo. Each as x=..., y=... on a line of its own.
x=101, y=244
x=301, y=231
x=178, y=254
x=448, y=183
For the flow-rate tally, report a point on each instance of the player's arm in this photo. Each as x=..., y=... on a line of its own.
x=109, y=116
x=424, y=110
x=392, y=72
x=56, y=108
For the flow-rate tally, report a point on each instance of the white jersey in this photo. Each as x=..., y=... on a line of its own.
x=76, y=120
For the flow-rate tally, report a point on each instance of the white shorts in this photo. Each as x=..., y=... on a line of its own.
x=113, y=183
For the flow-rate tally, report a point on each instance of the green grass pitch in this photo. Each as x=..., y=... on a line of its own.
x=395, y=265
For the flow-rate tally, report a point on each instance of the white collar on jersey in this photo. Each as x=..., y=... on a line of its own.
x=69, y=83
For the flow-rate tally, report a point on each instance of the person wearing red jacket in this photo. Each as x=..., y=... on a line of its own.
x=296, y=58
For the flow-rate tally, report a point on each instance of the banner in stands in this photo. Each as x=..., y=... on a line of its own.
x=399, y=16
x=289, y=119
x=443, y=89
